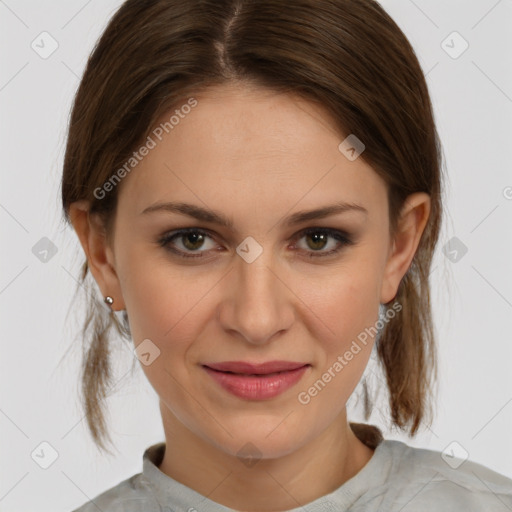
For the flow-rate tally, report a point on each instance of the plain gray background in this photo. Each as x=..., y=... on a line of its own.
x=472, y=295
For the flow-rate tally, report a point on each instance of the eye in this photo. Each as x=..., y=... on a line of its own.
x=193, y=240
x=320, y=237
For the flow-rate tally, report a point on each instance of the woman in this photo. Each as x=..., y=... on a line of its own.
x=257, y=189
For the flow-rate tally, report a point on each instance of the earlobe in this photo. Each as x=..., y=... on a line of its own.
x=412, y=221
x=93, y=240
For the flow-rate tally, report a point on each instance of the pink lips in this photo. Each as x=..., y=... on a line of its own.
x=256, y=381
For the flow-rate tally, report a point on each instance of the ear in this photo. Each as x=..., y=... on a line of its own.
x=412, y=221
x=100, y=256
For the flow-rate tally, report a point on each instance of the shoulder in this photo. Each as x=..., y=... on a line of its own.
x=132, y=494
x=420, y=478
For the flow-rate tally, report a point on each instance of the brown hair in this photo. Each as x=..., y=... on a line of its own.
x=347, y=55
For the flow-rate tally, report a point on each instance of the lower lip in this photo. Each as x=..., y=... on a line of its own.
x=257, y=387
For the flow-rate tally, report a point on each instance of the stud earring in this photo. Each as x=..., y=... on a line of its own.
x=109, y=301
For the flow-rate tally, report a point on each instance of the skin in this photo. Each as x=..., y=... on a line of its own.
x=257, y=157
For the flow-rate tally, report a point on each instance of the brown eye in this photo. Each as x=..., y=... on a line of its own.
x=317, y=239
x=192, y=240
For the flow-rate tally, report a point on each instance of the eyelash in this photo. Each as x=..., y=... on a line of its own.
x=341, y=236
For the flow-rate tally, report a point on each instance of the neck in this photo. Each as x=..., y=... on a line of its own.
x=267, y=485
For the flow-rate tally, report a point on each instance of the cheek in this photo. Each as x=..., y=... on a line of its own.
x=344, y=300
x=345, y=305
x=160, y=296
x=164, y=307
x=349, y=307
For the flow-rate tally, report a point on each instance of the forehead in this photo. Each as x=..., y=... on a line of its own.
x=247, y=146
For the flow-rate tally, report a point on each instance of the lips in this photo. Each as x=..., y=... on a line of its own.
x=256, y=381
x=246, y=368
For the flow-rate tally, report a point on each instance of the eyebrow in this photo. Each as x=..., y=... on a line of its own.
x=214, y=217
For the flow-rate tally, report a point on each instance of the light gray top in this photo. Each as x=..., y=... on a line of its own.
x=397, y=478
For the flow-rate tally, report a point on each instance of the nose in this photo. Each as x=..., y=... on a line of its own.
x=258, y=303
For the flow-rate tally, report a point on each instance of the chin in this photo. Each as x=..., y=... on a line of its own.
x=261, y=442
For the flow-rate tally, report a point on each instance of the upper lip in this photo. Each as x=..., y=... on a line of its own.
x=255, y=368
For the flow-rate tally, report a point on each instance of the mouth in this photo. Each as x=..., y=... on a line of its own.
x=246, y=368
x=256, y=381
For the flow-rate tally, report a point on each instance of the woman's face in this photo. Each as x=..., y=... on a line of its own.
x=260, y=289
